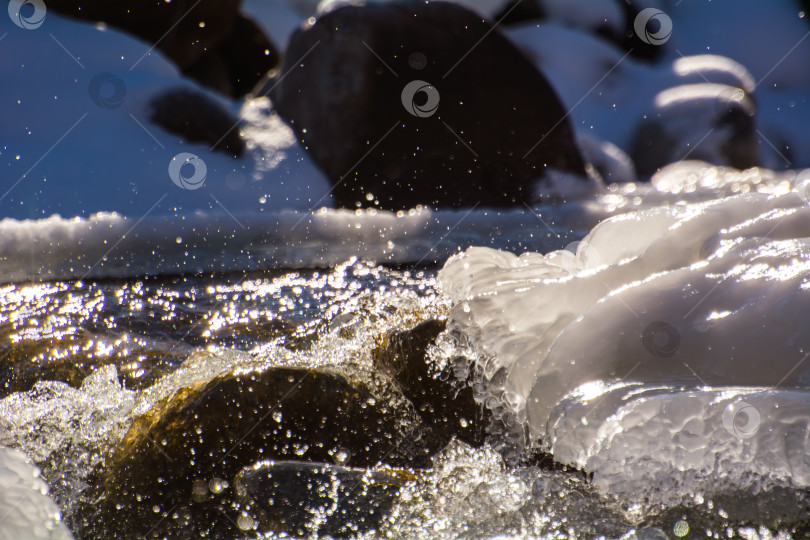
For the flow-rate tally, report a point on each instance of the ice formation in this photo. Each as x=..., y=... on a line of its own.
x=26, y=511
x=668, y=343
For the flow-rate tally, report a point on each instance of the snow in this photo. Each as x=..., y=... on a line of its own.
x=738, y=29
x=64, y=154
x=278, y=19
x=622, y=353
x=751, y=45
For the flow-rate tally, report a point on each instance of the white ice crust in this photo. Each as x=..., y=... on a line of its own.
x=26, y=510
x=669, y=340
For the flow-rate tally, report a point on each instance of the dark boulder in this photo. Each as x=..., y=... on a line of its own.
x=443, y=395
x=520, y=11
x=173, y=474
x=419, y=102
x=182, y=29
x=197, y=118
x=207, y=39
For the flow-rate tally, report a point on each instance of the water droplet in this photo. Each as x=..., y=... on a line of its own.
x=199, y=491
x=681, y=529
x=277, y=416
x=341, y=456
x=217, y=485
x=301, y=449
x=245, y=522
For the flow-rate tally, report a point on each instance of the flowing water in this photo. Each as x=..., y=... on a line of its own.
x=110, y=342
x=81, y=359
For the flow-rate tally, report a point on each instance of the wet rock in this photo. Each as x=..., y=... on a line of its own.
x=444, y=402
x=710, y=122
x=406, y=103
x=208, y=40
x=306, y=499
x=197, y=118
x=441, y=394
x=154, y=483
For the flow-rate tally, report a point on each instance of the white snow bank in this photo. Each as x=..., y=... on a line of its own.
x=621, y=354
x=26, y=511
x=278, y=19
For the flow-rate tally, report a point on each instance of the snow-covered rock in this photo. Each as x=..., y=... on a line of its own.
x=76, y=136
x=706, y=121
x=762, y=49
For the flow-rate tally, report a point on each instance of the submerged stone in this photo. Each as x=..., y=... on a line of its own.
x=444, y=402
x=305, y=499
x=173, y=474
x=774, y=508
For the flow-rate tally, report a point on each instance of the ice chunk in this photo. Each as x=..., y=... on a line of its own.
x=26, y=510
x=706, y=300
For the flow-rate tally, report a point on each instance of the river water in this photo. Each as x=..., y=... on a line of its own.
x=82, y=358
